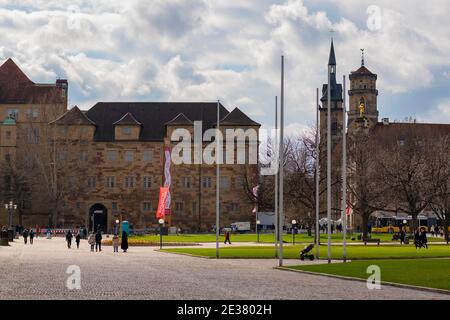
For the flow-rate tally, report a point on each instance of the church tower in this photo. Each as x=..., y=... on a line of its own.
x=336, y=103
x=363, y=93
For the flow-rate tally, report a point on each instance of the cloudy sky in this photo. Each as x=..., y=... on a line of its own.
x=202, y=50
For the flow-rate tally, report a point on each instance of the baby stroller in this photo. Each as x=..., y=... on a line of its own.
x=305, y=253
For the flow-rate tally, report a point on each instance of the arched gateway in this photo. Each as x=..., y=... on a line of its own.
x=98, y=217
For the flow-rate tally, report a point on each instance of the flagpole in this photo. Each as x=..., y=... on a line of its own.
x=218, y=154
x=276, y=153
x=281, y=149
x=344, y=173
x=329, y=164
x=317, y=176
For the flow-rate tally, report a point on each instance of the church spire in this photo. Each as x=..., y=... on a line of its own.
x=332, y=59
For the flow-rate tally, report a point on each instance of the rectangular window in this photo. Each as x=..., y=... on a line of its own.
x=147, y=182
x=78, y=205
x=194, y=207
x=111, y=155
x=225, y=182
x=71, y=182
x=129, y=182
x=62, y=155
x=186, y=182
x=8, y=135
x=234, y=207
x=63, y=131
x=240, y=183
x=92, y=182
x=126, y=131
x=83, y=155
x=206, y=182
x=110, y=182
x=129, y=156
x=114, y=206
x=33, y=135
x=13, y=113
x=146, y=206
x=179, y=207
x=7, y=157
x=147, y=155
x=32, y=113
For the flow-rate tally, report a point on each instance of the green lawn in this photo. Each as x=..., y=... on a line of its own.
x=433, y=273
x=292, y=252
x=264, y=238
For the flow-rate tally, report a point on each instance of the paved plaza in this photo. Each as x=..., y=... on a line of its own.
x=39, y=272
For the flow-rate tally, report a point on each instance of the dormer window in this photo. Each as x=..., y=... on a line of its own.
x=126, y=131
x=127, y=128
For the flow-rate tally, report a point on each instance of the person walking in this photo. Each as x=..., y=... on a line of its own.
x=227, y=237
x=423, y=238
x=402, y=236
x=115, y=243
x=25, y=235
x=69, y=237
x=31, y=236
x=124, y=243
x=91, y=241
x=98, y=241
x=77, y=240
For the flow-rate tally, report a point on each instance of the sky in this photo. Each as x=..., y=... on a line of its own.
x=204, y=50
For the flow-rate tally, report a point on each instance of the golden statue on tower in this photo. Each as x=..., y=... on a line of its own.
x=362, y=108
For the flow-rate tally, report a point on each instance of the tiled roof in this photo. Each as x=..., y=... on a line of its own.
x=237, y=117
x=362, y=71
x=16, y=87
x=127, y=119
x=73, y=116
x=152, y=115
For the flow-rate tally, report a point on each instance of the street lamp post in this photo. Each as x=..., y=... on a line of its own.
x=294, y=223
x=10, y=207
x=258, y=222
x=161, y=224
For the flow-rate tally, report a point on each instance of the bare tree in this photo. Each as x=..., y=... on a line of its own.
x=439, y=182
x=366, y=190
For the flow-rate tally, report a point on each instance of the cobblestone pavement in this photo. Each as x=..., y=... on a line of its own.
x=39, y=272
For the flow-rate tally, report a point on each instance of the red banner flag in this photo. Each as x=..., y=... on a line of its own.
x=163, y=194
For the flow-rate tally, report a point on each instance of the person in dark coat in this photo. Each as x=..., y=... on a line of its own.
x=25, y=235
x=31, y=236
x=402, y=236
x=77, y=240
x=227, y=237
x=98, y=241
x=69, y=237
x=423, y=238
x=124, y=243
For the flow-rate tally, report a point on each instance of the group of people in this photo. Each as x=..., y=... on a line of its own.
x=420, y=238
x=28, y=233
x=95, y=241
x=437, y=231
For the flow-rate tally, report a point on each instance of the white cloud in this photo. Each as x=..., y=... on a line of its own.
x=204, y=50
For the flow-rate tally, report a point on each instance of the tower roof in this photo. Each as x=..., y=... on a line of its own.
x=332, y=59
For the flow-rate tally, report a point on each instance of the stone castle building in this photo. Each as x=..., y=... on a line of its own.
x=72, y=167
